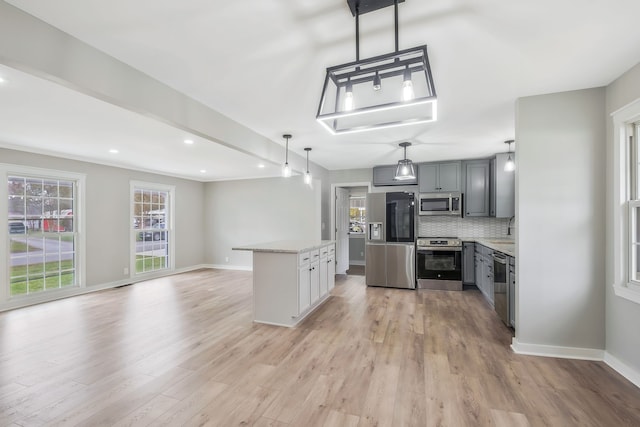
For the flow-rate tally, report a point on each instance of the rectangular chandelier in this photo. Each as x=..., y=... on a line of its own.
x=394, y=89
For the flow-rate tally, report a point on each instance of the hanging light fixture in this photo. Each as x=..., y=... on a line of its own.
x=286, y=169
x=510, y=165
x=353, y=98
x=405, y=169
x=307, y=175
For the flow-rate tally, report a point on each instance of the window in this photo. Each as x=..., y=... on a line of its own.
x=42, y=228
x=357, y=214
x=152, y=237
x=625, y=207
x=633, y=132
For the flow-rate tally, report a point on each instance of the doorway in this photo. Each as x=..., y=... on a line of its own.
x=348, y=225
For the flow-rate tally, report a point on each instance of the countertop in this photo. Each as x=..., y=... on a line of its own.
x=501, y=244
x=285, y=246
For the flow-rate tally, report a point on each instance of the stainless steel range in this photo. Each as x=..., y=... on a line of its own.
x=439, y=263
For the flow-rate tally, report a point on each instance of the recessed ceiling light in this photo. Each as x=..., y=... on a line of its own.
x=261, y=165
x=188, y=141
x=2, y=80
x=203, y=171
x=113, y=151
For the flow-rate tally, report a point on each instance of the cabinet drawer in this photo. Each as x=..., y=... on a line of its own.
x=324, y=252
x=304, y=258
x=332, y=249
x=315, y=255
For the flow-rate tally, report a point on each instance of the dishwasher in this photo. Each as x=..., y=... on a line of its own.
x=501, y=287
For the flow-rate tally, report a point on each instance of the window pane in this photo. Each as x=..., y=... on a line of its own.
x=151, y=233
x=357, y=215
x=41, y=258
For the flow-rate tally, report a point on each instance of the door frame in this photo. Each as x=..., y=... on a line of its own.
x=332, y=234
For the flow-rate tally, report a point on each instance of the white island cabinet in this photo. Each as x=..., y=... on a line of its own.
x=291, y=278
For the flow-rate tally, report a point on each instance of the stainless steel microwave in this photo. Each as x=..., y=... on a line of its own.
x=446, y=204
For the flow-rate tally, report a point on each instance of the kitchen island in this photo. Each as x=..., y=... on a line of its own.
x=291, y=278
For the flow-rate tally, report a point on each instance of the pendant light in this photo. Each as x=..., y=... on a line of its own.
x=405, y=169
x=307, y=175
x=286, y=169
x=353, y=98
x=510, y=165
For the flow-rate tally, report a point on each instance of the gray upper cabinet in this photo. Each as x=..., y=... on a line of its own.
x=383, y=175
x=436, y=177
x=477, y=188
x=503, y=195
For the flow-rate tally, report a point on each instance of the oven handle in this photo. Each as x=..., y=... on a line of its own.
x=439, y=248
x=499, y=258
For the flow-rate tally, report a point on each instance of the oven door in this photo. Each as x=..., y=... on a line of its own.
x=439, y=268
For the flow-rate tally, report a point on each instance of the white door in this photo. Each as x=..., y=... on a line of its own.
x=342, y=230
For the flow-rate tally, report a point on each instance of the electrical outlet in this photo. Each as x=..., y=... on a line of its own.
x=226, y=259
x=126, y=271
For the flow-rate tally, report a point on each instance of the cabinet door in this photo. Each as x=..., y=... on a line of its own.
x=476, y=196
x=504, y=200
x=324, y=276
x=512, y=296
x=304, y=288
x=468, y=263
x=384, y=175
x=478, y=269
x=331, y=271
x=314, y=282
x=449, y=176
x=428, y=177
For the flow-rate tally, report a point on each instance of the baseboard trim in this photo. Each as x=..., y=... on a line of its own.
x=622, y=368
x=230, y=267
x=357, y=263
x=557, y=351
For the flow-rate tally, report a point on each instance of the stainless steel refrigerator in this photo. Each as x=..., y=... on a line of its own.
x=390, y=240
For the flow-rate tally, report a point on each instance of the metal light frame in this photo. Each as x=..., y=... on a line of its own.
x=413, y=62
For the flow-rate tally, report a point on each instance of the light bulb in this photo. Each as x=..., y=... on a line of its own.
x=377, y=84
x=405, y=171
x=286, y=170
x=307, y=178
x=348, y=100
x=407, y=90
x=510, y=166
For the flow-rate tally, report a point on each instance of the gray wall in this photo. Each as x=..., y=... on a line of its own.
x=107, y=196
x=623, y=316
x=256, y=211
x=356, y=249
x=560, y=179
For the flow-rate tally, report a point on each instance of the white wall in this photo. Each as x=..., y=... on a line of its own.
x=623, y=316
x=560, y=179
x=257, y=211
x=107, y=213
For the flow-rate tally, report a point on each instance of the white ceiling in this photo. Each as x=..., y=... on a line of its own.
x=262, y=63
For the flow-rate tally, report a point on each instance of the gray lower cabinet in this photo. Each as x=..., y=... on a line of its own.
x=484, y=271
x=436, y=177
x=468, y=263
x=477, y=188
x=512, y=291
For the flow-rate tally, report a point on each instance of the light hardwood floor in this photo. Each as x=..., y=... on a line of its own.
x=184, y=351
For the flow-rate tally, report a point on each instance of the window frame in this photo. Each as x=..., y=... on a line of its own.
x=169, y=228
x=79, y=179
x=626, y=198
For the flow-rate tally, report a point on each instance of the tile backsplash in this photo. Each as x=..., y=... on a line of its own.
x=443, y=226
